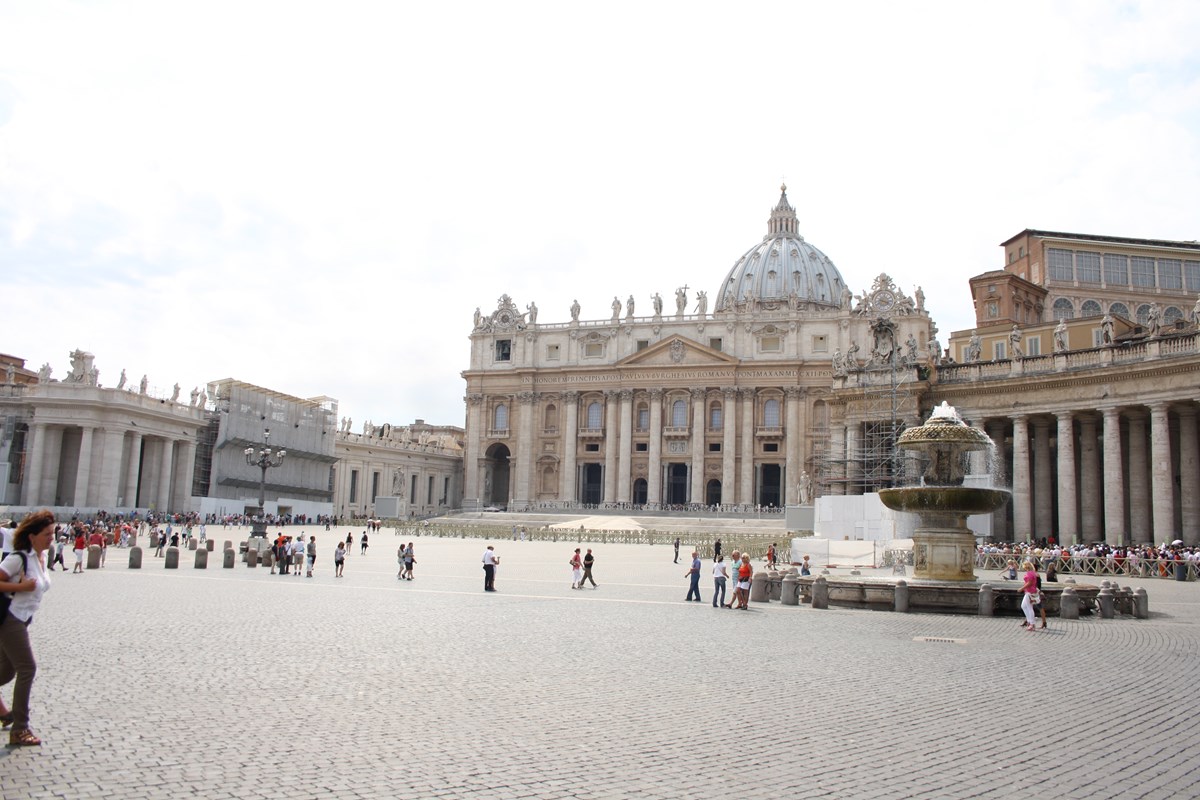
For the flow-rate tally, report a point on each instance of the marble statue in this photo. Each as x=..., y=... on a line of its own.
x=1014, y=343
x=804, y=488
x=852, y=356
x=349, y=423
x=911, y=344
x=847, y=298
x=10, y=373
x=920, y=295
x=616, y=309
x=575, y=311
x=202, y=401
x=1060, y=336
x=681, y=301
x=839, y=364
x=702, y=303
x=1195, y=315
x=532, y=309
x=175, y=394
x=974, y=348
x=629, y=307
x=478, y=318
x=1153, y=320
x=44, y=373
x=121, y=382
x=143, y=385
x=656, y=302
x=935, y=350
x=194, y=396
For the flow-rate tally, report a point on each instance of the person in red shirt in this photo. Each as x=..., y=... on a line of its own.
x=80, y=549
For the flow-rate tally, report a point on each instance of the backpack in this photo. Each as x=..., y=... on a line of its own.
x=6, y=597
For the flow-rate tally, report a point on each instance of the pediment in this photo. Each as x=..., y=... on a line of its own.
x=677, y=351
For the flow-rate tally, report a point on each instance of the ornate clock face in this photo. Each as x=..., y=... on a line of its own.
x=884, y=300
x=504, y=318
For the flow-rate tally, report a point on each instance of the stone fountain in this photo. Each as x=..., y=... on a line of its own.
x=943, y=545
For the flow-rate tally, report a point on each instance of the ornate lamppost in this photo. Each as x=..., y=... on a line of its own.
x=264, y=459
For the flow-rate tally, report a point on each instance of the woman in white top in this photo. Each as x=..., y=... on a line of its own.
x=720, y=574
x=24, y=574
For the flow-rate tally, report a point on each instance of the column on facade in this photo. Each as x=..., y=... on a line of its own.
x=1068, y=513
x=625, y=455
x=570, y=440
x=83, y=470
x=1139, y=483
x=132, y=469
x=35, y=446
x=1021, y=480
x=1189, y=475
x=746, y=490
x=1089, y=480
x=475, y=436
x=998, y=471
x=836, y=458
x=610, y=445
x=697, y=439
x=728, y=445
x=525, y=439
x=1043, y=480
x=112, y=449
x=185, y=471
x=654, y=468
x=1114, y=479
x=164, y=475
x=52, y=455
x=853, y=456
x=1162, y=476
x=792, y=436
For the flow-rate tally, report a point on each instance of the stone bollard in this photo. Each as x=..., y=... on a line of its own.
x=1068, y=604
x=135, y=558
x=1070, y=581
x=1124, y=601
x=1105, y=585
x=133, y=540
x=1106, y=603
x=900, y=597
x=268, y=559
x=251, y=558
x=191, y=544
x=230, y=558
x=789, y=592
x=987, y=601
x=228, y=545
x=820, y=593
x=201, y=559
x=760, y=592
x=1141, y=604
x=93, y=556
x=775, y=585
x=208, y=544
x=172, y=560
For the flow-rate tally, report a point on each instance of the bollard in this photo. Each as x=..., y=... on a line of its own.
x=191, y=544
x=900, y=597
x=93, y=556
x=760, y=592
x=230, y=558
x=268, y=559
x=820, y=593
x=987, y=601
x=1141, y=604
x=172, y=560
x=251, y=558
x=228, y=545
x=1070, y=581
x=209, y=545
x=1068, y=604
x=1124, y=601
x=201, y=559
x=135, y=558
x=789, y=593
x=1106, y=602
x=775, y=585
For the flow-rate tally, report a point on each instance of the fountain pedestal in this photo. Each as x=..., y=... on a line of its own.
x=943, y=554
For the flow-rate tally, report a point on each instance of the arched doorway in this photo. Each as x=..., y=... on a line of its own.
x=591, y=483
x=677, y=484
x=712, y=493
x=639, y=492
x=770, y=484
x=495, y=476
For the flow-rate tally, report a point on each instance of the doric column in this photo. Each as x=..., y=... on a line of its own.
x=792, y=437
x=132, y=470
x=1189, y=475
x=1068, y=513
x=1115, y=531
x=654, y=469
x=1021, y=481
x=1043, y=480
x=164, y=475
x=525, y=433
x=624, y=480
x=566, y=475
x=1090, y=487
x=1162, y=477
x=697, y=439
x=31, y=481
x=476, y=432
x=728, y=445
x=999, y=475
x=185, y=470
x=83, y=470
x=746, y=490
x=1139, y=481
x=610, y=445
x=112, y=448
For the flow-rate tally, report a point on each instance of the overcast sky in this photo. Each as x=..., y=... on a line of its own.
x=314, y=197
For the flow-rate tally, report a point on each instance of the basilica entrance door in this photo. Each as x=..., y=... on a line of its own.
x=639, y=492
x=495, y=476
x=591, y=483
x=712, y=493
x=677, y=484
x=770, y=485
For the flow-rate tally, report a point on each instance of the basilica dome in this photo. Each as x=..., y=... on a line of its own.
x=782, y=270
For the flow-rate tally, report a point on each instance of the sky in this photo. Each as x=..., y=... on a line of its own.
x=314, y=197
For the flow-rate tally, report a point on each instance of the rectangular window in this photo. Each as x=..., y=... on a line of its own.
x=642, y=344
x=353, y=486
x=643, y=419
x=1116, y=270
x=1169, y=273
x=640, y=447
x=429, y=493
x=715, y=344
x=771, y=447
x=820, y=344
x=1191, y=273
x=1087, y=267
x=1061, y=264
x=1000, y=351
x=769, y=344
x=1143, y=271
x=1033, y=346
x=503, y=349
x=374, y=486
x=715, y=418
x=593, y=349
x=592, y=447
x=993, y=309
x=412, y=492
x=1097, y=337
x=552, y=352
x=714, y=447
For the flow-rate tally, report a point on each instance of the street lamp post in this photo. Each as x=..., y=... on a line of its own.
x=264, y=459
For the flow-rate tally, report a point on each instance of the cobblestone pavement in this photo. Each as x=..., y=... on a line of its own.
x=240, y=684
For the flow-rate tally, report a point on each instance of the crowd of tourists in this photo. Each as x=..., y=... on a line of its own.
x=1097, y=559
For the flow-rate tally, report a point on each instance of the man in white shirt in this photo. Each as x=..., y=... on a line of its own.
x=490, y=560
x=6, y=537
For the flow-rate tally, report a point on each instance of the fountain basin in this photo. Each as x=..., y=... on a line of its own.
x=946, y=597
x=944, y=499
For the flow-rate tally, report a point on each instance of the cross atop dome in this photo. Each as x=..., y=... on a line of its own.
x=783, y=220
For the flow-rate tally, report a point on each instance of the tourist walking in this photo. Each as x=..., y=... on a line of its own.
x=745, y=575
x=771, y=556
x=23, y=573
x=339, y=560
x=409, y=560
x=400, y=562
x=588, y=562
x=717, y=547
x=59, y=546
x=349, y=541
x=735, y=561
x=81, y=548
x=1029, y=597
x=490, y=560
x=720, y=573
x=693, y=575
x=364, y=543
x=296, y=553
x=312, y=554
x=576, y=570
x=676, y=549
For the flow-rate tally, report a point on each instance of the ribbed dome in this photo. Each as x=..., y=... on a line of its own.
x=784, y=269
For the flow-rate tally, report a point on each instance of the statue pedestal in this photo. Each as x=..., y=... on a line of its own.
x=944, y=554
x=799, y=518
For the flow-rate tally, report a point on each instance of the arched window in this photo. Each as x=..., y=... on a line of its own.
x=501, y=418
x=594, y=416
x=643, y=417
x=551, y=421
x=1171, y=315
x=1090, y=308
x=771, y=413
x=1064, y=309
x=715, y=417
x=679, y=414
x=549, y=484
x=1143, y=314
x=1119, y=309
x=820, y=415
